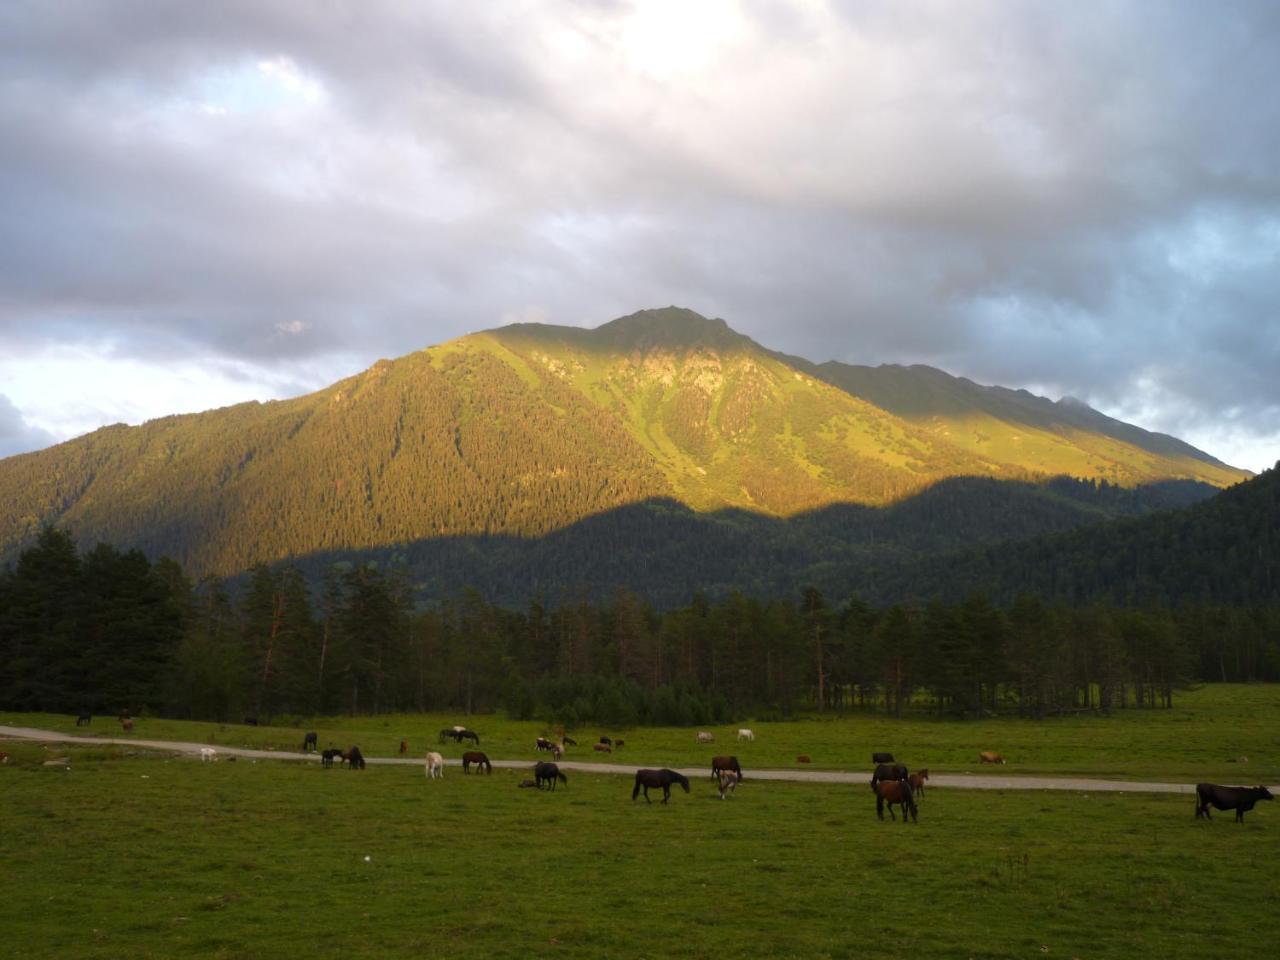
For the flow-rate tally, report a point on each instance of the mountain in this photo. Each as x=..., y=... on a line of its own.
x=527, y=430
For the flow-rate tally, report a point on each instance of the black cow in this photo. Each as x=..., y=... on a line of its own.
x=1239, y=799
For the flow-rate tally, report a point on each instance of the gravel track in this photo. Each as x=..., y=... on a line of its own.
x=942, y=780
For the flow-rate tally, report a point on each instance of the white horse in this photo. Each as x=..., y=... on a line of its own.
x=745, y=734
x=208, y=754
x=557, y=751
x=728, y=782
x=435, y=765
x=704, y=737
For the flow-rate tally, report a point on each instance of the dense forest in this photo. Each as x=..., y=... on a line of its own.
x=109, y=630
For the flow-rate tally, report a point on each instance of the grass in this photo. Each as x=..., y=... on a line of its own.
x=149, y=855
x=1205, y=737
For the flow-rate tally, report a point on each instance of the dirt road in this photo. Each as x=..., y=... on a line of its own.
x=942, y=780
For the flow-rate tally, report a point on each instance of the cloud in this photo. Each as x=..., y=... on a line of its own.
x=1083, y=198
x=16, y=435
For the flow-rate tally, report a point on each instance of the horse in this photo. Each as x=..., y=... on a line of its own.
x=728, y=781
x=895, y=791
x=917, y=782
x=469, y=735
x=725, y=763
x=404, y=747
x=882, y=758
x=888, y=771
x=663, y=778
x=745, y=734
x=568, y=741
x=704, y=737
x=990, y=756
x=208, y=754
x=328, y=756
x=557, y=751
x=804, y=758
x=84, y=720
x=127, y=724
x=479, y=759
x=602, y=748
x=542, y=743
x=606, y=741
x=435, y=765
x=449, y=735
x=549, y=773
x=617, y=744
x=309, y=742
x=354, y=758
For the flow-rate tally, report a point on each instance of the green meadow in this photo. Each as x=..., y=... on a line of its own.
x=134, y=854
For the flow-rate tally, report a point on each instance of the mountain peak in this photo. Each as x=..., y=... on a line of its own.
x=668, y=327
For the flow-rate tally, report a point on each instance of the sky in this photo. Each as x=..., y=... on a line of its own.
x=202, y=204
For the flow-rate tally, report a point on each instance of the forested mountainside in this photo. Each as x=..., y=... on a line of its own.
x=526, y=431
x=1225, y=550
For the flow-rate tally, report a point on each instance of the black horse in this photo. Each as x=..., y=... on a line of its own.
x=606, y=741
x=354, y=758
x=663, y=778
x=309, y=742
x=568, y=742
x=84, y=720
x=888, y=771
x=549, y=773
x=328, y=756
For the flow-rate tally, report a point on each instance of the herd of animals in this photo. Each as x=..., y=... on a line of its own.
x=891, y=782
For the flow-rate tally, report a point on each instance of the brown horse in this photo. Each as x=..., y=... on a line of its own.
x=894, y=792
x=479, y=759
x=601, y=748
x=725, y=763
x=354, y=758
x=917, y=780
x=127, y=724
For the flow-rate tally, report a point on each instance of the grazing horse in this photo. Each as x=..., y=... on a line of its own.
x=435, y=765
x=888, y=771
x=745, y=734
x=309, y=742
x=990, y=756
x=1239, y=799
x=328, y=756
x=891, y=792
x=882, y=758
x=617, y=744
x=663, y=778
x=354, y=758
x=804, y=758
x=568, y=741
x=127, y=724
x=602, y=748
x=725, y=763
x=449, y=735
x=84, y=720
x=208, y=754
x=606, y=741
x=549, y=773
x=917, y=782
x=728, y=781
x=479, y=759
x=469, y=735
x=542, y=743
x=704, y=737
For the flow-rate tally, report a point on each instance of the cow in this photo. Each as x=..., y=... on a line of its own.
x=990, y=756
x=1239, y=799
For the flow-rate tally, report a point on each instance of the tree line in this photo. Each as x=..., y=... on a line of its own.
x=109, y=630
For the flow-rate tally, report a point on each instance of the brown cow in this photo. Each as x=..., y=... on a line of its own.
x=990, y=756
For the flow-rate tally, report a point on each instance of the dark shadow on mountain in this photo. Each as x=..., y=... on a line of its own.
x=667, y=552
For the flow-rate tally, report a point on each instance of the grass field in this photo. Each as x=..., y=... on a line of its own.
x=147, y=855
x=1204, y=737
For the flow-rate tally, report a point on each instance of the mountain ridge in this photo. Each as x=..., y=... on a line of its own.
x=523, y=430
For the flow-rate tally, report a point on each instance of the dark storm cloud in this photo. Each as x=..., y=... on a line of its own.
x=1080, y=198
x=16, y=435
